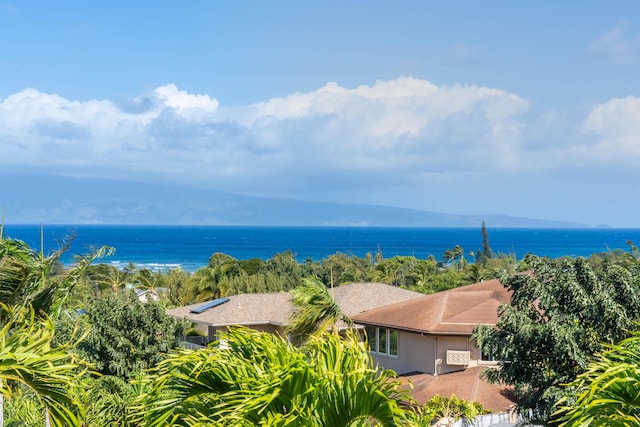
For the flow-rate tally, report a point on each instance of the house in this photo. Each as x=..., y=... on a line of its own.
x=146, y=295
x=431, y=333
x=421, y=337
x=271, y=312
x=424, y=338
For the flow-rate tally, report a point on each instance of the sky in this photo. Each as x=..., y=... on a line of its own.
x=528, y=108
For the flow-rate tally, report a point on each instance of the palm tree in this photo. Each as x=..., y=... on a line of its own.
x=37, y=284
x=24, y=275
x=28, y=278
x=105, y=277
x=261, y=379
x=385, y=271
x=454, y=255
x=203, y=285
x=27, y=357
x=109, y=402
x=607, y=393
x=144, y=280
x=315, y=310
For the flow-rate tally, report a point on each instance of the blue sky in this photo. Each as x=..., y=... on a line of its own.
x=523, y=108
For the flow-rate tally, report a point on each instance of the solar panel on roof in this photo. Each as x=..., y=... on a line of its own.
x=208, y=305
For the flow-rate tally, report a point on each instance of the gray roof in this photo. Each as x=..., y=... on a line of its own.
x=243, y=309
x=275, y=308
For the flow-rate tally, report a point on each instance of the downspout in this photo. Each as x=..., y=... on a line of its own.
x=436, y=359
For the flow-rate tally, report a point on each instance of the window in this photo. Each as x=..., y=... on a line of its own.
x=382, y=340
x=488, y=357
x=372, y=337
x=393, y=342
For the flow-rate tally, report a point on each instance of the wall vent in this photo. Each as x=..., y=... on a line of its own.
x=458, y=357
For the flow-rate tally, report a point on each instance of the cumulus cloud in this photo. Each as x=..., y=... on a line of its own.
x=617, y=45
x=398, y=134
x=183, y=101
x=615, y=126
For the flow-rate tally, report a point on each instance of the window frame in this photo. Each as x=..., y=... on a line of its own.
x=487, y=358
x=388, y=337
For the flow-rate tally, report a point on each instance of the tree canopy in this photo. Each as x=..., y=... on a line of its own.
x=127, y=336
x=559, y=316
x=315, y=310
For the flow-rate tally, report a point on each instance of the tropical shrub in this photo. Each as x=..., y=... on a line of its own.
x=606, y=393
x=48, y=373
x=258, y=378
x=126, y=336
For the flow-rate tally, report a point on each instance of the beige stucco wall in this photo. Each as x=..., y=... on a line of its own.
x=457, y=343
x=427, y=353
x=444, y=343
x=415, y=353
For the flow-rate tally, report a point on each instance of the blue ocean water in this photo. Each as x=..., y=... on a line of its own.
x=163, y=247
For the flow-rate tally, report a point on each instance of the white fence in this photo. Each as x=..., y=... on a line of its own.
x=502, y=419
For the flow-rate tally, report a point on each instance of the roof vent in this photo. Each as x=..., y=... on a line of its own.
x=458, y=357
x=206, y=306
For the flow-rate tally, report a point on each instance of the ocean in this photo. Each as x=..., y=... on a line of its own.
x=189, y=247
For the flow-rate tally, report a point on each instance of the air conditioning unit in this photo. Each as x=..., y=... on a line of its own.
x=458, y=357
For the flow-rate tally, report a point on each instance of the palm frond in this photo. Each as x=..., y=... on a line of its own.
x=27, y=357
x=259, y=378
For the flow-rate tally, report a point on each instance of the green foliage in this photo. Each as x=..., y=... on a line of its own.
x=260, y=379
x=127, y=336
x=339, y=269
x=174, y=284
x=454, y=256
x=23, y=409
x=28, y=358
x=557, y=320
x=194, y=332
x=109, y=402
x=28, y=278
x=606, y=393
x=226, y=275
x=105, y=277
x=24, y=274
x=285, y=268
x=315, y=310
x=486, y=253
x=449, y=407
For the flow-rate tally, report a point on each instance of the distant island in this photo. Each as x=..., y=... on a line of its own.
x=34, y=198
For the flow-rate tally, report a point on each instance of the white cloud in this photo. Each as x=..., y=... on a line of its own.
x=181, y=100
x=616, y=126
x=392, y=136
x=601, y=146
x=617, y=45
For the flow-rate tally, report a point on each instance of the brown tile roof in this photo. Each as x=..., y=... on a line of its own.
x=466, y=384
x=456, y=311
x=275, y=308
x=355, y=298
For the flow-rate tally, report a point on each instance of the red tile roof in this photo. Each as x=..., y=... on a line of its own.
x=453, y=312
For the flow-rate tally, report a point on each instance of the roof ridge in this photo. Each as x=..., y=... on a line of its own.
x=443, y=305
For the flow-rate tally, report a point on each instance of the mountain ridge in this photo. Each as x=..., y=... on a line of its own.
x=37, y=198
